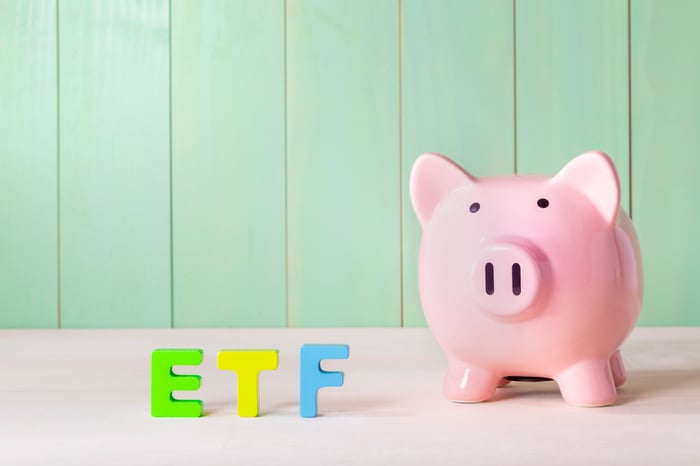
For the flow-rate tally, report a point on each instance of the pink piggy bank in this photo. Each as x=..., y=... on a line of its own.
x=528, y=276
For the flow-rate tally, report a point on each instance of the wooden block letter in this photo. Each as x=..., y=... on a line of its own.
x=247, y=364
x=164, y=382
x=312, y=377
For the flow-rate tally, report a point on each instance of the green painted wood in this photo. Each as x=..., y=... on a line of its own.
x=572, y=83
x=343, y=163
x=228, y=163
x=457, y=99
x=28, y=237
x=666, y=156
x=114, y=166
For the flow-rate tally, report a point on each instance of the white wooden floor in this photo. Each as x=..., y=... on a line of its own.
x=81, y=397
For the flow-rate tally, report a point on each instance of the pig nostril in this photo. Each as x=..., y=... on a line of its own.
x=515, y=273
x=489, y=278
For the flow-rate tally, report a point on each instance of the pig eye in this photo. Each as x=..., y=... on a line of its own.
x=542, y=203
x=474, y=208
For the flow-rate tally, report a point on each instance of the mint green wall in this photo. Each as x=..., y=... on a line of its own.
x=245, y=162
x=228, y=163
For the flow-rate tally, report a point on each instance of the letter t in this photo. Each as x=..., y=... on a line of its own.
x=247, y=364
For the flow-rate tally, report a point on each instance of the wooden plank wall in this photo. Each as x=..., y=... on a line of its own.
x=234, y=163
x=228, y=178
x=28, y=165
x=114, y=158
x=572, y=84
x=666, y=155
x=343, y=233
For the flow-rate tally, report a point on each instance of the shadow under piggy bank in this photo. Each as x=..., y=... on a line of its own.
x=645, y=390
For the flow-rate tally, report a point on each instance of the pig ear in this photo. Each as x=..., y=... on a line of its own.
x=594, y=175
x=433, y=177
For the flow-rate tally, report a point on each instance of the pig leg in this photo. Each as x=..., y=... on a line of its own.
x=588, y=383
x=469, y=384
x=617, y=368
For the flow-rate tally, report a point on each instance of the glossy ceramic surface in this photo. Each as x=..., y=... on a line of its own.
x=528, y=276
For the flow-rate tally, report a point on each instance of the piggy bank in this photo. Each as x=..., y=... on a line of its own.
x=528, y=276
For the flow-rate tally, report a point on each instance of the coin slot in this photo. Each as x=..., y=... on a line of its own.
x=489, y=279
x=515, y=272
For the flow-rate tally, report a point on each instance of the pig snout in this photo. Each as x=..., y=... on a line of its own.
x=506, y=278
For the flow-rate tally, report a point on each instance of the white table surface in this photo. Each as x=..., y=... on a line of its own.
x=82, y=397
